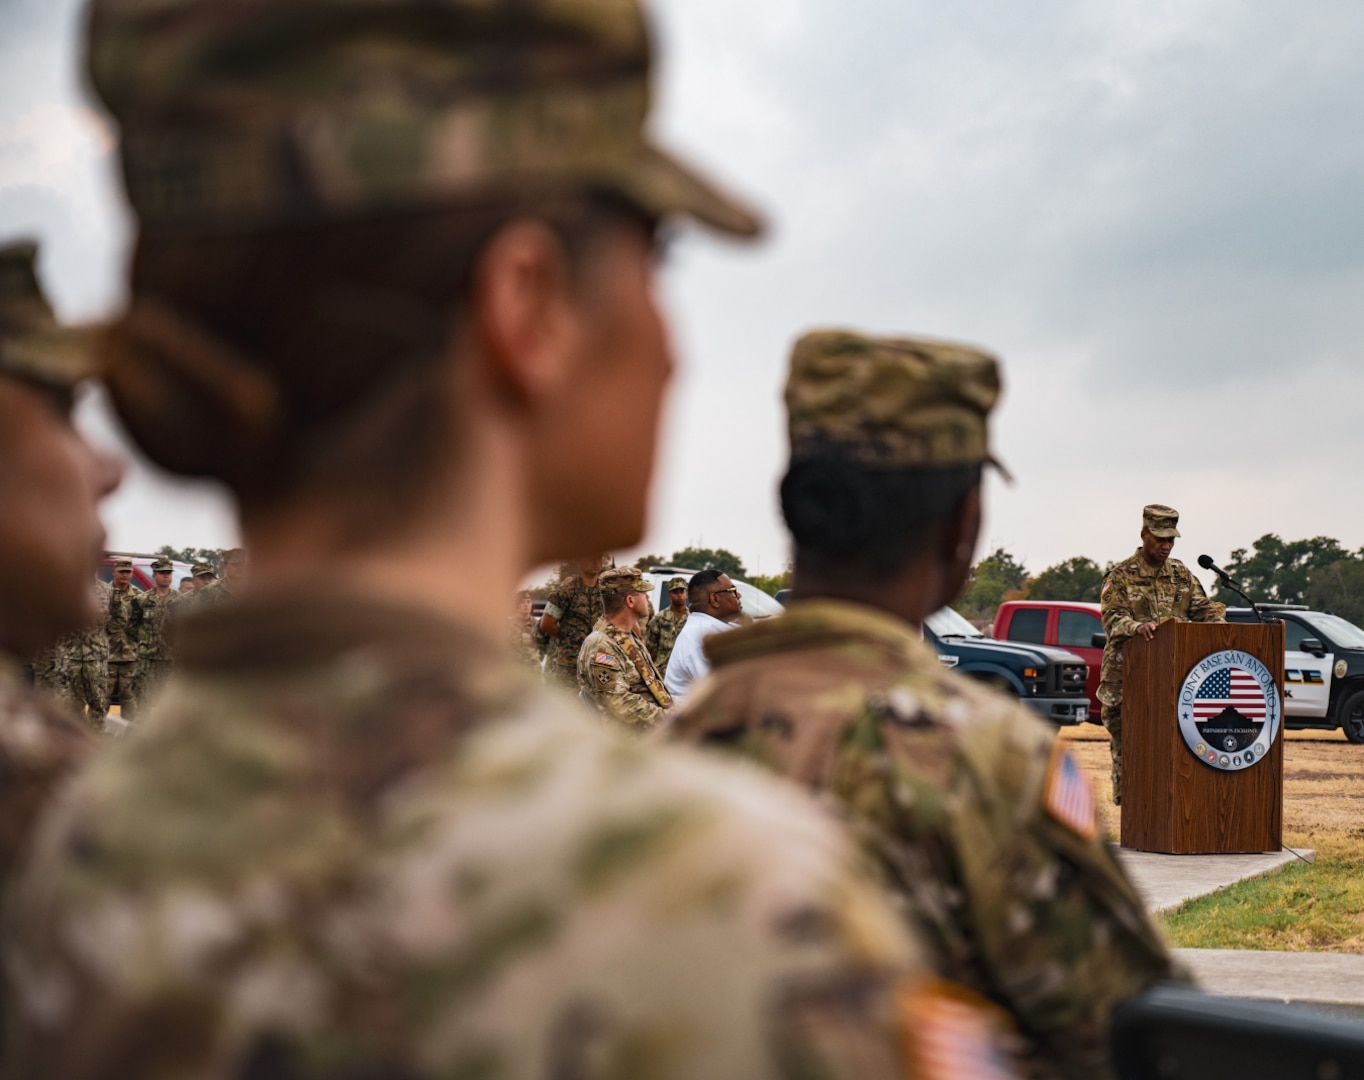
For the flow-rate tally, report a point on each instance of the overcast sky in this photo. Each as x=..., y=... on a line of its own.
x=1151, y=211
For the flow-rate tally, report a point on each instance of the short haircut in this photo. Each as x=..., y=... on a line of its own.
x=855, y=522
x=613, y=603
x=700, y=587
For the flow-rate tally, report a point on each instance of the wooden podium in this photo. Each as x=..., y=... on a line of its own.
x=1179, y=803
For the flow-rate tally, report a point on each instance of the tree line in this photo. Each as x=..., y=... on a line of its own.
x=1319, y=573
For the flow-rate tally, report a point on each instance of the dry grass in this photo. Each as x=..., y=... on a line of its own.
x=1317, y=908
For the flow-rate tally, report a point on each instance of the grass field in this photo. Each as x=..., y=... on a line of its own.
x=1317, y=908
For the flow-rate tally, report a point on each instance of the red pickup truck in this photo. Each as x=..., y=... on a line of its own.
x=1066, y=624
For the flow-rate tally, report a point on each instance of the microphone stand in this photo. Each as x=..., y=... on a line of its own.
x=1226, y=580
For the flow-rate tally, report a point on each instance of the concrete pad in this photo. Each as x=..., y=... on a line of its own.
x=1332, y=980
x=1166, y=881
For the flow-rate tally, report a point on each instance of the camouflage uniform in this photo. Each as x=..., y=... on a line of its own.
x=472, y=880
x=981, y=820
x=615, y=672
x=577, y=607
x=52, y=674
x=40, y=743
x=525, y=640
x=1134, y=593
x=86, y=655
x=124, y=629
x=661, y=634
x=357, y=840
x=154, y=656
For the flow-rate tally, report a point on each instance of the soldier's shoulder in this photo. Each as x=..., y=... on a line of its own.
x=1127, y=567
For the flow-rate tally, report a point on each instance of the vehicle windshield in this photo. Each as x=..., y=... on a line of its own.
x=1343, y=633
x=947, y=623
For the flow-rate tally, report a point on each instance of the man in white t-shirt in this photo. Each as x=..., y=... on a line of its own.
x=715, y=605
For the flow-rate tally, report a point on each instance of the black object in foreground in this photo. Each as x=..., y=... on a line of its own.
x=1175, y=1032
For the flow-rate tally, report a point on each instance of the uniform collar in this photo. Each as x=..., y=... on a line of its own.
x=814, y=624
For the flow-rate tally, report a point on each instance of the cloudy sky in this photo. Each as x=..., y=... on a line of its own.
x=1150, y=210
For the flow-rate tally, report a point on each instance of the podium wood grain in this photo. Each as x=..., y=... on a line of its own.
x=1172, y=802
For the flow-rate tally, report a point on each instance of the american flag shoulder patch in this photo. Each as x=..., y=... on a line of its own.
x=950, y=1033
x=605, y=659
x=1069, y=796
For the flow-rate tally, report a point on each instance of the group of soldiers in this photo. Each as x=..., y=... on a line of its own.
x=393, y=287
x=600, y=637
x=127, y=655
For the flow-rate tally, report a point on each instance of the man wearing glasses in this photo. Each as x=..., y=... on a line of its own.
x=715, y=606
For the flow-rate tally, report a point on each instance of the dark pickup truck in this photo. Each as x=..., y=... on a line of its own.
x=1048, y=680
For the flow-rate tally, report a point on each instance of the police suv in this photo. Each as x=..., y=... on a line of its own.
x=1323, y=668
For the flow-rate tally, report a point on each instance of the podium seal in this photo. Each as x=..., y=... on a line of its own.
x=1229, y=710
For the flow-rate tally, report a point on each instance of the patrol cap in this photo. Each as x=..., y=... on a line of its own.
x=891, y=402
x=123, y=564
x=203, y=569
x=677, y=583
x=259, y=111
x=623, y=579
x=163, y=566
x=1161, y=520
x=33, y=346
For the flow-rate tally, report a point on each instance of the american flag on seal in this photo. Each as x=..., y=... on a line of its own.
x=1069, y=796
x=1230, y=688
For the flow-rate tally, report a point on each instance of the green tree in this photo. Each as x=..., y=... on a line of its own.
x=1339, y=588
x=693, y=558
x=991, y=580
x=772, y=583
x=212, y=556
x=1275, y=572
x=1075, y=579
x=648, y=562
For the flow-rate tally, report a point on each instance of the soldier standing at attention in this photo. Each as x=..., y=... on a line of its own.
x=523, y=631
x=51, y=541
x=573, y=609
x=1138, y=595
x=661, y=634
x=85, y=655
x=393, y=286
x=222, y=590
x=614, y=670
x=123, y=628
x=154, y=648
x=204, y=575
x=980, y=818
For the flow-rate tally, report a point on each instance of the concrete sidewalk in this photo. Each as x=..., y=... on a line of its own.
x=1330, y=982
x=1166, y=881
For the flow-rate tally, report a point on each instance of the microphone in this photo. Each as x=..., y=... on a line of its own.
x=1205, y=561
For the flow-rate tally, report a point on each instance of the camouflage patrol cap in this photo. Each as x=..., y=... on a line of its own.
x=268, y=112
x=123, y=564
x=1161, y=520
x=891, y=402
x=623, y=579
x=33, y=346
x=163, y=566
x=677, y=583
x=203, y=569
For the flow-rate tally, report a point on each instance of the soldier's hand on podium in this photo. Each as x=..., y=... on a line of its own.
x=1148, y=630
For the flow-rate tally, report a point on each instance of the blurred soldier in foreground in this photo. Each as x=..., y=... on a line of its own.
x=154, y=642
x=51, y=540
x=123, y=628
x=1138, y=595
x=981, y=819
x=393, y=287
x=615, y=670
x=573, y=608
x=661, y=634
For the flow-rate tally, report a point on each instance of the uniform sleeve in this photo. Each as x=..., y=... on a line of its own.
x=651, y=635
x=608, y=678
x=1060, y=926
x=1116, y=609
x=1201, y=607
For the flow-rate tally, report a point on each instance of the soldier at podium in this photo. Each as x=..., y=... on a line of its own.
x=1138, y=595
